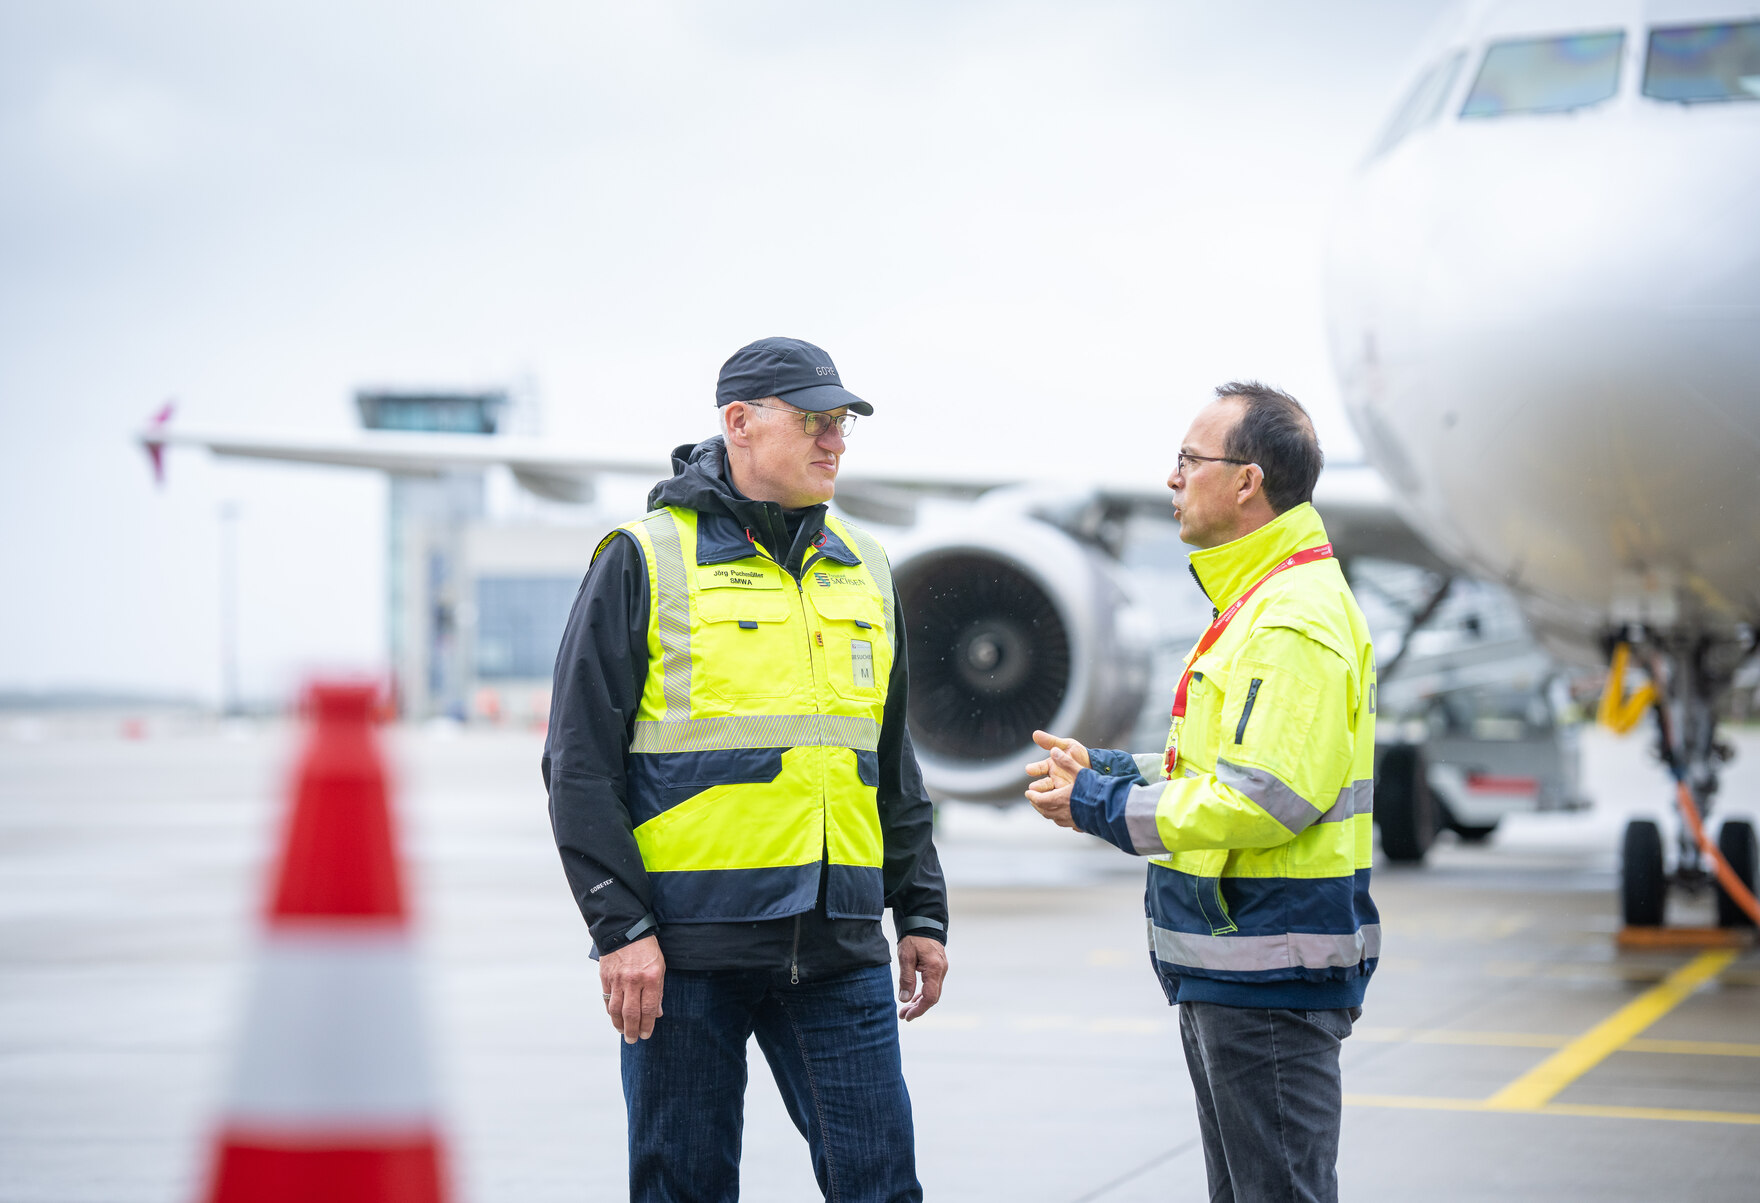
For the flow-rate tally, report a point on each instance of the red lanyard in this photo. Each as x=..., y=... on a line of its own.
x=1306, y=556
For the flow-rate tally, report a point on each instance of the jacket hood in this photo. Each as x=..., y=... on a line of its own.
x=699, y=480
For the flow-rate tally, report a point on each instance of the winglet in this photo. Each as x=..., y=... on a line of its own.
x=156, y=447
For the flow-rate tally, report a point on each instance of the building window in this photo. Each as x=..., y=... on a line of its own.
x=519, y=625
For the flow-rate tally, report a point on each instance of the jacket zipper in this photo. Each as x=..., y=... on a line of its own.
x=794, y=955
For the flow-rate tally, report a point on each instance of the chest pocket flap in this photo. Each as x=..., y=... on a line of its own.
x=741, y=592
x=851, y=605
x=858, y=648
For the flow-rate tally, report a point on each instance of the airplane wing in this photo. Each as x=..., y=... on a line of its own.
x=544, y=469
x=1354, y=501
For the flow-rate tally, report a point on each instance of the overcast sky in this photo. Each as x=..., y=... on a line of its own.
x=1033, y=235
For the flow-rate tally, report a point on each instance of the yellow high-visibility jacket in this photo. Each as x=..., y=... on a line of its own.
x=754, y=757
x=1258, y=889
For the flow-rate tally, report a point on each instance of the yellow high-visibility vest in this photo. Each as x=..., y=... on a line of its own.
x=754, y=759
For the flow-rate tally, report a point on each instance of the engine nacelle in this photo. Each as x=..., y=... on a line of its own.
x=1013, y=625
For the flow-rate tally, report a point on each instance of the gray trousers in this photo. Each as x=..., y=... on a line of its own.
x=1269, y=1099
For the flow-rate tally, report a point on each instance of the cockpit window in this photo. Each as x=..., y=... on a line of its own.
x=1704, y=62
x=1546, y=75
x=1424, y=103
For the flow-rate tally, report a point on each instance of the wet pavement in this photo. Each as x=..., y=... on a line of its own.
x=1508, y=1049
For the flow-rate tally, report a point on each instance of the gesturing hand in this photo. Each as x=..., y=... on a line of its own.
x=1056, y=777
x=632, y=979
x=1045, y=768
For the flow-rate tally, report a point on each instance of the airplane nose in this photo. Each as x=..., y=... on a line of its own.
x=1544, y=330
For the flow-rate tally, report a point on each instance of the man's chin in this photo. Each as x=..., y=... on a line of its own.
x=817, y=493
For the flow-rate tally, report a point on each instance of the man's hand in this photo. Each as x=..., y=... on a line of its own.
x=632, y=979
x=1057, y=777
x=1042, y=768
x=919, y=955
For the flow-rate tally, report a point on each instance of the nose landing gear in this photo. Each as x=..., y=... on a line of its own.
x=1684, y=703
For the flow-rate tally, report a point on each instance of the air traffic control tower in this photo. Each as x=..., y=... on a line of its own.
x=475, y=600
x=426, y=520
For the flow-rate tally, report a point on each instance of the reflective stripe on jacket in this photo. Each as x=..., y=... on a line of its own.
x=753, y=760
x=1261, y=839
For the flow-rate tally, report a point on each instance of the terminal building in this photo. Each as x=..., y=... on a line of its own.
x=478, y=593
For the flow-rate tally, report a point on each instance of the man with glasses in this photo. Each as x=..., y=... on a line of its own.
x=736, y=801
x=1256, y=815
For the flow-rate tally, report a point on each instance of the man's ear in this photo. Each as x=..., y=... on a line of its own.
x=1250, y=483
x=733, y=421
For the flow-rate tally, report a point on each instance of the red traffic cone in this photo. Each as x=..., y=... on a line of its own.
x=330, y=1097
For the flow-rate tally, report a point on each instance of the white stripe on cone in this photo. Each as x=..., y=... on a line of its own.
x=333, y=1034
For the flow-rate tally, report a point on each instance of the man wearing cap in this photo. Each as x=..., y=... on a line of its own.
x=736, y=801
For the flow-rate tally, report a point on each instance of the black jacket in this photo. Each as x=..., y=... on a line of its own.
x=601, y=669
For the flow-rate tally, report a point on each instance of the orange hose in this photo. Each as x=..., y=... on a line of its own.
x=1726, y=876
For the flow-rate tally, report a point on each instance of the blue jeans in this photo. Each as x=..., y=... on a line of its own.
x=832, y=1045
x=1269, y=1099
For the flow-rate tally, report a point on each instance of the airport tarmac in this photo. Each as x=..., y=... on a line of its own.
x=1485, y=1064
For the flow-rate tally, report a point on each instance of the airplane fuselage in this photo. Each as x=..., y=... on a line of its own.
x=1547, y=323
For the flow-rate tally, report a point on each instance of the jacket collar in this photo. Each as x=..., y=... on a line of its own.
x=1226, y=572
x=721, y=540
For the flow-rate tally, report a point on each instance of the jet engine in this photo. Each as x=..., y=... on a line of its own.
x=1013, y=624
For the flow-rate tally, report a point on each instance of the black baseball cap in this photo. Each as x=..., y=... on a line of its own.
x=795, y=371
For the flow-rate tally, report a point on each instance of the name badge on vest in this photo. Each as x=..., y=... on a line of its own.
x=861, y=658
x=735, y=576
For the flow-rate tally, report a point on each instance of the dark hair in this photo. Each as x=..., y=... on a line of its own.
x=1276, y=433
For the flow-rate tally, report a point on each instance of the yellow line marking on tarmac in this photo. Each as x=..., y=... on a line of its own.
x=1698, y=1048
x=1540, y=1085
x=1403, y=1102
x=1598, y=1111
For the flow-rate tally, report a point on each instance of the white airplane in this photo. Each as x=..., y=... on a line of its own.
x=1546, y=318
x=1544, y=304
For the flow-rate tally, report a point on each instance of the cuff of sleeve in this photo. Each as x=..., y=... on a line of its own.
x=647, y=925
x=1110, y=763
x=1118, y=810
x=920, y=925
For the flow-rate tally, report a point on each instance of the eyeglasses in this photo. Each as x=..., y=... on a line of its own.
x=812, y=423
x=1180, y=467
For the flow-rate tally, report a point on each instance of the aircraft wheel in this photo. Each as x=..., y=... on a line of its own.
x=1736, y=842
x=1642, y=884
x=1405, y=808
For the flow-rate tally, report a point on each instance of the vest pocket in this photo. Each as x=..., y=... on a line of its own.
x=858, y=648
x=741, y=647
